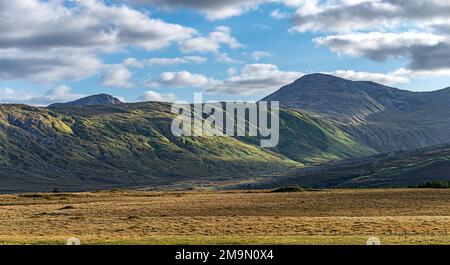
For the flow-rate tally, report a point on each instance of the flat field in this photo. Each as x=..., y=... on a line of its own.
x=396, y=216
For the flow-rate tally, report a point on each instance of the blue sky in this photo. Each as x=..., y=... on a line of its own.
x=139, y=50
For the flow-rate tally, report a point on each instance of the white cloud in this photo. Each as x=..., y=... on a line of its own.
x=58, y=94
x=133, y=62
x=211, y=43
x=399, y=76
x=180, y=80
x=378, y=46
x=117, y=75
x=255, y=79
x=423, y=51
x=277, y=14
x=225, y=58
x=43, y=41
x=47, y=66
x=212, y=9
x=176, y=60
x=347, y=16
x=408, y=73
x=155, y=96
x=232, y=71
x=386, y=79
x=417, y=31
x=258, y=55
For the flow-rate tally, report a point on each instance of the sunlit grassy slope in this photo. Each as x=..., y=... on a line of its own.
x=131, y=145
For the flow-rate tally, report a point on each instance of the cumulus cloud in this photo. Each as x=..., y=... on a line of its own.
x=354, y=15
x=424, y=51
x=117, y=75
x=155, y=96
x=379, y=46
x=180, y=80
x=253, y=79
x=425, y=45
x=212, y=9
x=133, y=62
x=48, y=40
x=399, y=76
x=277, y=14
x=386, y=79
x=90, y=23
x=258, y=55
x=232, y=71
x=408, y=73
x=47, y=66
x=61, y=93
x=435, y=57
x=211, y=43
x=176, y=60
x=225, y=58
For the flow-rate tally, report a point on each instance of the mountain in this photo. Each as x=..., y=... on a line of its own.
x=100, y=99
x=131, y=145
x=401, y=169
x=384, y=118
x=333, y=133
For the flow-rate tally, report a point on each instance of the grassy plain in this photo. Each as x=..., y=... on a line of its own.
x=396, y=216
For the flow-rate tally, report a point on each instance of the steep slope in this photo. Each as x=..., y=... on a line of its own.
x=311, y=140
x=131, y=145
x=100, y=99
x=384, y=118
x=400, y=169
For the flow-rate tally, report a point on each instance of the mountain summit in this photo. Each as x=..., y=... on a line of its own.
x=100, y=99
x=385, y=118
x=343, y=99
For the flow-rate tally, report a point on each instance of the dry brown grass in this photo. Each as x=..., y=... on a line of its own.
x=318, y=217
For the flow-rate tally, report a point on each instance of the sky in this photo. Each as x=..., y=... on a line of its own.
x=165, y=50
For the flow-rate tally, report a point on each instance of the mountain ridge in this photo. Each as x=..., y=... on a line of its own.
x=84, y=145
x=131, y=145
x=382, y=117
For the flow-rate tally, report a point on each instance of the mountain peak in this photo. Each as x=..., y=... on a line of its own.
x=327, y=81
x=319, y=76
x=100, y=99
x=345, y=99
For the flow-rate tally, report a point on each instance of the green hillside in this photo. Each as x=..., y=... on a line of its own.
x=401, y=169
x=131, y=145
x=310, y=140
